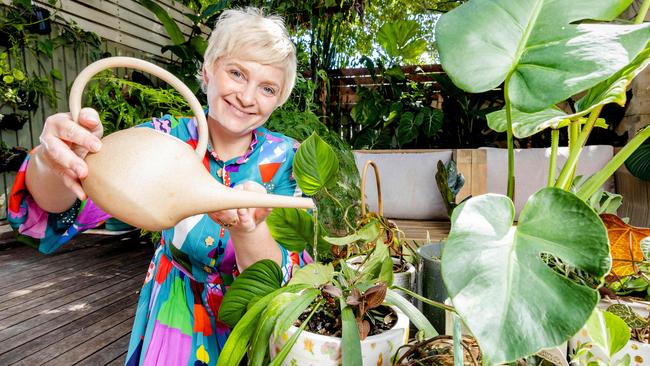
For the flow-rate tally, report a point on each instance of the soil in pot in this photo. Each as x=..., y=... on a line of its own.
x=327, y=320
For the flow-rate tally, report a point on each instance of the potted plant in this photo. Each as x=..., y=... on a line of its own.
x=502, y=278
x=344, y=304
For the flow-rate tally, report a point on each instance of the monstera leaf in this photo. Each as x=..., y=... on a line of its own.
x=512, y=302
x=539, y=48
x=625, y=244
x=527, y=124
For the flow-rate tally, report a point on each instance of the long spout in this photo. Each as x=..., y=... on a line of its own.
x=228, y=198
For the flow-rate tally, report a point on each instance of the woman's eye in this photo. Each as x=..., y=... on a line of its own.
x=236, y=74
x=270, y=91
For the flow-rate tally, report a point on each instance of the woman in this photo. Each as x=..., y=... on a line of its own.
x=249, y=70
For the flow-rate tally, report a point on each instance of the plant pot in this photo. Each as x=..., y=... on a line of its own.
x=29, y=100
x=639, y=352
x=40, y=19
x=12, y=121
x=12, y=159
x=316, y=349
x=113, y=224
x=430, y=284
x=403, y=279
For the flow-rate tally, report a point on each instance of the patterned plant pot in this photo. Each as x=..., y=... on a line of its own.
x=316, y=349
x=639, y=352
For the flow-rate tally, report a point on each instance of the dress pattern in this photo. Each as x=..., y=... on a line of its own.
x=194, y=264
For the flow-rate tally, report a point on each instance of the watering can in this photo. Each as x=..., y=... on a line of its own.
x=152, y=180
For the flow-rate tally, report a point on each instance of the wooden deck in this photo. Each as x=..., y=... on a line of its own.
x=74, y=307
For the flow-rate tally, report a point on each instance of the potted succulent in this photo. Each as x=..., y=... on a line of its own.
x=327, y=313
x=505, y=280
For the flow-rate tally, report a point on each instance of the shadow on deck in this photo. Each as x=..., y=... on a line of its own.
x=74, y=307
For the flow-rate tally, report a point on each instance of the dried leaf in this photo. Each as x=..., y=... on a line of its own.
x=364, y=328
x=332, y=290
x=624, y=244
x=375, y=295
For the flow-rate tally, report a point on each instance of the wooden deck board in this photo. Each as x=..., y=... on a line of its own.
x=73, y=307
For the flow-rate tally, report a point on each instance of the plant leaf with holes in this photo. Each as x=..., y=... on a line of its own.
x=544, y=50
x=493, y=270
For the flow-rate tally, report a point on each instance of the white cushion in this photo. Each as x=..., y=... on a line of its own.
x=408, y=184
x=531, y=169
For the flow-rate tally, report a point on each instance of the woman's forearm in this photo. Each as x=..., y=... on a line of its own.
x=46, y=185
x=254, y=246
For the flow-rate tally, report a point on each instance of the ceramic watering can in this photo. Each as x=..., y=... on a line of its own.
x=152, y=180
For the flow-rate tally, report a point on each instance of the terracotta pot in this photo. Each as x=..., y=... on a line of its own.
x=639, y=352
x=316, y=349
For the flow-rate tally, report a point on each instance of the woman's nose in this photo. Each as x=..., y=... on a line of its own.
x=246, y=95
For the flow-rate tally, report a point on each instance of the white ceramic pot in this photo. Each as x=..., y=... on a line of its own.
x=316, y=349
x=639, y=352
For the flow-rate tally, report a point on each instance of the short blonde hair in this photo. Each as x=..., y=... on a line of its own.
x=249, y=34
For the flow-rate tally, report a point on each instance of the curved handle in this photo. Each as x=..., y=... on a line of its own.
x=380, y=206
x=111, y=62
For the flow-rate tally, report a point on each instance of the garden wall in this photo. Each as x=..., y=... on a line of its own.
x=126, y=29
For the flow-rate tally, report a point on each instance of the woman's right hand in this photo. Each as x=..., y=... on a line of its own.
x=65, y=144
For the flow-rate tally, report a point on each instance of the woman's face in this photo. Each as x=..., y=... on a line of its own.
x=242, y=94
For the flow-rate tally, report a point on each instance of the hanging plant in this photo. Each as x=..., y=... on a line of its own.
x=13, y=121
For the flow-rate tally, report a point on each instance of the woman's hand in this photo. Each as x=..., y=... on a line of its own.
x=64, y=145
x=242, y=220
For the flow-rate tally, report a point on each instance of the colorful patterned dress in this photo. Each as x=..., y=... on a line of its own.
x=192, y=268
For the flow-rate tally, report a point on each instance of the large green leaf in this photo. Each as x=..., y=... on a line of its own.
x=511, y=301
x=313, y=274
x=237, y=344
x=613, y=90
x=315, y=165
x=294, y=229
x=293, y=310
x=256, y=281
x=528, y=124
x=539, y=47
x=260, y=341
x=400, y=39
x=366, y=234
x=350, y=342
x=639, y=162
x=608, y=331
x=174, y=32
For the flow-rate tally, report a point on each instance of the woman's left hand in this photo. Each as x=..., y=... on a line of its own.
x=242, y=220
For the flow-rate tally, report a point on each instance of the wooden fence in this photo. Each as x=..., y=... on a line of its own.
x=344, y=84
x=126, y=29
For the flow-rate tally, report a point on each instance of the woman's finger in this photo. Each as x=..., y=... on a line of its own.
x=69, y=180
x=89, y=119
x=61, y=154
x=76, y=134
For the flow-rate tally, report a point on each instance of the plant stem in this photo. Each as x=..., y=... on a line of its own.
x=597, y=180
x=433, y=303
x=643, y=10
x=555, y=141
x=338, y=203
x=575, y=148
x=510, y=142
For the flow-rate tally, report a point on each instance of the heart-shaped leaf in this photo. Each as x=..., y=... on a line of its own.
x=367, y=234
x=608, y=331
x=539, y=48
x=527, y=124
x=313, y=274
x=511, y=301
x=256, y=281
x=315, y=165
x=294, y=229
x=400, y=39
x=625, y=244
